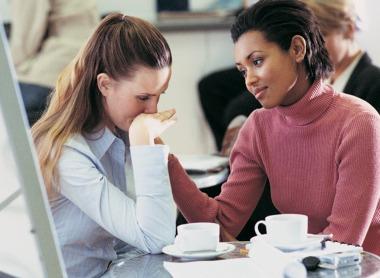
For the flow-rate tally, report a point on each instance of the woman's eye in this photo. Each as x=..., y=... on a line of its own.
x=143, y=98
x=258, y=61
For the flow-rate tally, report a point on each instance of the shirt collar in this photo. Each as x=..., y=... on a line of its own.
x=310, y=107
x=97, y=143
x=100, y=141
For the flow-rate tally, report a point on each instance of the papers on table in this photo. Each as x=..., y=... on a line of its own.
x=201, y=164
x=205, y=170
x=242, y=267
x=208, y=179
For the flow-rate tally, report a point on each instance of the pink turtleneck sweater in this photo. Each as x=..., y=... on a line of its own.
x=322, y=158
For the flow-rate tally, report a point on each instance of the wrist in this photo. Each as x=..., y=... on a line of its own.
x=140, y=137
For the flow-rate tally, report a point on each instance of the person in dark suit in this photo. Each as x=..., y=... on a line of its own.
x=223, y=94
x=364, y=81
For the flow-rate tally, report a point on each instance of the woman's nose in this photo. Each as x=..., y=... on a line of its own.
x=150, y=108
x=250, y=79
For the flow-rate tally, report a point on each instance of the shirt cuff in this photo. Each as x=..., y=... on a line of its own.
x=150, y=169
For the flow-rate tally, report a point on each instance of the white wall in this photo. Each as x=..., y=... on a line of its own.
x=145, y=9
x=4, y=10
x=195, y=54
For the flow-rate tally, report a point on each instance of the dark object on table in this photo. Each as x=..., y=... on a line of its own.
x=311, y=263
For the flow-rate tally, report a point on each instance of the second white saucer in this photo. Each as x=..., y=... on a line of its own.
x=222, y=248
x=307, y=243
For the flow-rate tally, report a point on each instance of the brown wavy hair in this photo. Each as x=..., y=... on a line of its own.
x=118, y=46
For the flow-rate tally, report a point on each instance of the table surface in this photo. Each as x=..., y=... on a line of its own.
x=152, y=266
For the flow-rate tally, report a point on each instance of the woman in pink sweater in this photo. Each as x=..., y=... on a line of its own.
x=318, y=148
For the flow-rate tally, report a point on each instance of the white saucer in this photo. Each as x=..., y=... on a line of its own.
x=223, y=248
x=310, y=242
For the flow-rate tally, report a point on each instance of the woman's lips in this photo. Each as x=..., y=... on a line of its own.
x=258, y=93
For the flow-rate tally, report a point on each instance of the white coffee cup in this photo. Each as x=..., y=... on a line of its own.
x=284, y=228
x=197, y=236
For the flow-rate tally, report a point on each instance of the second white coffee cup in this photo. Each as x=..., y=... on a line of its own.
x=197, y=236
x=284, y=228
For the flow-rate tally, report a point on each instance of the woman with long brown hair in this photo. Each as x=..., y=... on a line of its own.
x=107, y=181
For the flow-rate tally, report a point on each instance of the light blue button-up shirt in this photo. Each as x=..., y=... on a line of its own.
x=93, y=214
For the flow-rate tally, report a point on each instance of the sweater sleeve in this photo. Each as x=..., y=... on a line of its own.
x=358, y=185
x=239, y=195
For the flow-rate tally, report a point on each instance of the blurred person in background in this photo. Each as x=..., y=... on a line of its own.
x=340, y=21
x=45, y=36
